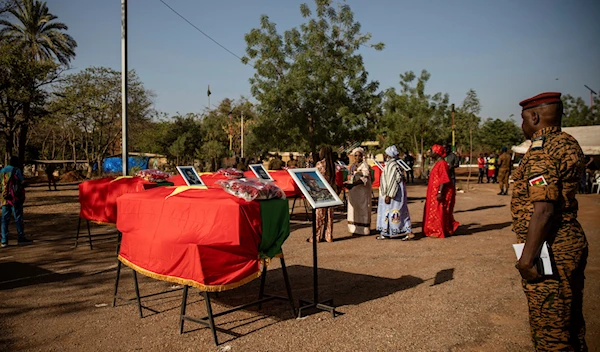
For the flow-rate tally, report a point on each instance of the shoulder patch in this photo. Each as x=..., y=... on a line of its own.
x=538, y=181
x=537, y=143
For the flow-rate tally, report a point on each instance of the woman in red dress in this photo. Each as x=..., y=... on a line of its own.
x=438, y=217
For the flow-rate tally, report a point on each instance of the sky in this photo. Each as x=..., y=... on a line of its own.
x=506, y=51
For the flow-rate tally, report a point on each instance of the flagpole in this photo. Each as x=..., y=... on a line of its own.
x=124, y=137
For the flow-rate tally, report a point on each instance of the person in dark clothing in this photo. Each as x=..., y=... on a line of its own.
x=453, y=163
x=410, y=161
x=50, y=168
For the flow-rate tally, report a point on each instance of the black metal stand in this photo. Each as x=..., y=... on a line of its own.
x=305, y=206
x=208, y=320
x=315, y=303
x=89, y=233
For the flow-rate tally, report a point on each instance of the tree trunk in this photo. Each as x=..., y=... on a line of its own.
x=23, y=131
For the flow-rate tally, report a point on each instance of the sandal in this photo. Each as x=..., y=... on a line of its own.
x=381, y=237
x=408, y=237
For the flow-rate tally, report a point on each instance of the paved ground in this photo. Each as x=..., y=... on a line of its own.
x=455, y=294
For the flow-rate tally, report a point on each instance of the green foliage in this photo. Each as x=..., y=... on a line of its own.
x=578, y=113
x=38, y=33
x=90, y=102
x=494, y=134
x=311, y=81
x=21, y=85
x=411, y=118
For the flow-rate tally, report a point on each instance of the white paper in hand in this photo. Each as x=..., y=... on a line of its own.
x=544, y=255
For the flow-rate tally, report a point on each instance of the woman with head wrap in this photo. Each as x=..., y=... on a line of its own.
x=393, y=219
x=326, y=167
x=359, y=196
x=438, y=217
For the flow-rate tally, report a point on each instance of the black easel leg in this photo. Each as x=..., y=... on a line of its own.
x=137, y=293
x=315, y=265
x=293, y=205
x=89, y=233
x=119, y=237
x=183, y=306
x=117, y=283
x=211, y=322
x=78, y=228
x=315, y=303
x=263, y=278
x=288, y=287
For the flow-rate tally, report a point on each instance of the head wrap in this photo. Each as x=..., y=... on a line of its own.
x=392, y=151
x=439, y=150
x=359, y=150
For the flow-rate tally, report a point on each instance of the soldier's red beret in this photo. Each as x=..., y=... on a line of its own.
x=541, y=99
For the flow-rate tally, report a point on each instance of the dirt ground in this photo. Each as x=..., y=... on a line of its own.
x=456, y=294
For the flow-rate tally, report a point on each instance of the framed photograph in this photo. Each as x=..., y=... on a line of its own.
x=403, y=165
x=260, y=172
x=342, y=164
x=315, y=188
x=378, y=164
x=190, y=176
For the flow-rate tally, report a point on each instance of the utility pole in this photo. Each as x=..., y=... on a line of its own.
x=591, y=95
x=124, y=150
x=242, y=147
x=231, y=133
x=453, y=140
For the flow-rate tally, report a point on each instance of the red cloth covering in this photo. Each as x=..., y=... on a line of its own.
x=98, y=198
x=438, y=217
x=202, y=238
x=282, y=179
x=377, y=176
x=92, y=198
x=119, y=187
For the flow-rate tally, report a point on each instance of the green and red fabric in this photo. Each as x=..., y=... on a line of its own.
x=207, y=238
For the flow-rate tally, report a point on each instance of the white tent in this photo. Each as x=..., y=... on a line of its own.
x=587, y=136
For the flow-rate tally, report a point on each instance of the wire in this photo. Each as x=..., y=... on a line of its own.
x=199, y=30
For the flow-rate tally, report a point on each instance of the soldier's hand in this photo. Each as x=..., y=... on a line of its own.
x=440, y=197
x=388, y=200
x=528, y=273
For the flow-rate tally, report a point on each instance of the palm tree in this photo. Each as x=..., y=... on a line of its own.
x=37, y=33
x=42, y=39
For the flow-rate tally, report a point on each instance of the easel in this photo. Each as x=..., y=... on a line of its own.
x=89, y=233
x=326, y=305
x=208, y=320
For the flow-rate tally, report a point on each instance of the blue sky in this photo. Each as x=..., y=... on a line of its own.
x=506, y=50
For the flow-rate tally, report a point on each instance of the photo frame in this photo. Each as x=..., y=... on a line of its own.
x=315, y=188
x=378, y=164
x=190, y=176
x=403, y=165
x=342, y=164
x=260, y=172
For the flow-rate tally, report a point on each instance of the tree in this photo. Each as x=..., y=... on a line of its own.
x=578, y=113
x=91, y=100
x=494, y=134
x=21, y=84
x=467, y=120
x=310, y=81
x=412, y=119
x=42, y=39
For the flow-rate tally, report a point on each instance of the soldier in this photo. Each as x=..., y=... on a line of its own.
x=504, y=166
x=544, y=208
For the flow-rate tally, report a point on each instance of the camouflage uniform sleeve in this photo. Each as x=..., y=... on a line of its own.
x=543, y=178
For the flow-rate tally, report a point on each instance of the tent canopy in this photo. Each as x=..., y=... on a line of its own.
x=588, y=138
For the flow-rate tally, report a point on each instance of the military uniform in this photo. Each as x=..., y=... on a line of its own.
x=504, y=171
x=550, y=171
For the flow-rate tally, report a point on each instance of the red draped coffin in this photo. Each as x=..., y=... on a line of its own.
x=207, y=238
